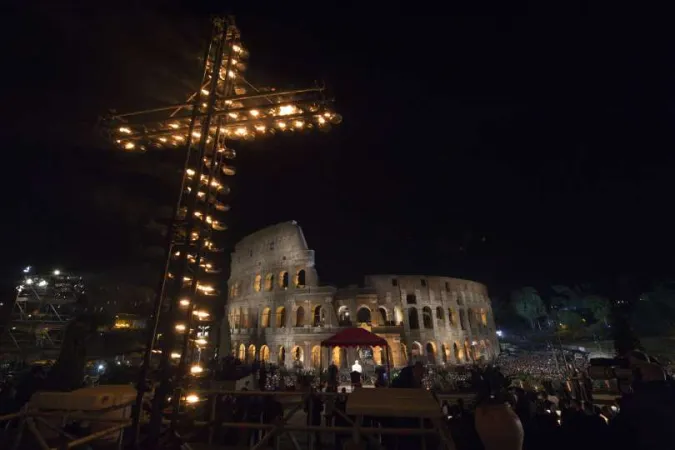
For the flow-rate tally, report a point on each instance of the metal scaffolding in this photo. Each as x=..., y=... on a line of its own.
x=43, y=305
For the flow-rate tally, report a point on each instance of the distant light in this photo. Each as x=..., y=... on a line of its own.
x=192, y=398
x=29, y=281
x=474, y=343
x=184, y=302
x=500, y=333
x=196, y=369
x=27, y=269
x=57, y=272
x=42, y=283
x=101, y=367
x=175, y=355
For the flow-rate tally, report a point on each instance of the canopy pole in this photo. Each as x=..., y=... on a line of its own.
x=386, y=349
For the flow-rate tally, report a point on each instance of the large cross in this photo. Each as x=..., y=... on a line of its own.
x=227, y=107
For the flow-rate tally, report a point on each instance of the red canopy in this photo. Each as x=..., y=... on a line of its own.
x=353, y=337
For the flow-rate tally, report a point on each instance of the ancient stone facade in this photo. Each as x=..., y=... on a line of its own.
x=277, y=311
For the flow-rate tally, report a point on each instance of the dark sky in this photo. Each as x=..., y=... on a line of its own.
x=510, y=150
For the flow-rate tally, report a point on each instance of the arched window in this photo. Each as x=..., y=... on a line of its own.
x=283, y=280
x=269, y=282
x=472, y=318
x=413, y=319
x=383, y=315
x=335, y=357
x=444, y=353
x=439, y=314
x=298, y=355
x=427, y=318
x=257, y=283
x=264, y=353
x=452, y=317
x=467, y=350
x=300, y=317
x=462, y=319
x=318, y=318
x=431, y=353
x=281, y=317
x=484, y=317
x=447, y=286
x=458, y=355
x=416, y=352
x=281, y=357
x=242, y=352
x=316, y=357
x=243, y=323
x=300, y=278
x=344, y=316
x=266, y=318
x=363, y=315
x=251, y=353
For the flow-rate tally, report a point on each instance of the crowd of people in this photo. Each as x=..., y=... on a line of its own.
x=558, y=413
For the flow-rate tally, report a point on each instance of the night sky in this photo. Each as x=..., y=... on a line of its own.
x=510, y=150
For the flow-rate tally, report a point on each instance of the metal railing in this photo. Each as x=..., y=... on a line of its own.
x=36, y=422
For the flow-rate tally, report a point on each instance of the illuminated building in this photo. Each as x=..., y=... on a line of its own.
x=278, y=312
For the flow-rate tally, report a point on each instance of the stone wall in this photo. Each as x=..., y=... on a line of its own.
x=277, y=311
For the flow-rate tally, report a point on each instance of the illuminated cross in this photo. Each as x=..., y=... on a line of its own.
x=227, y=107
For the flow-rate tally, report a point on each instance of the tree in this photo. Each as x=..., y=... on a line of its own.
x=599, y=307
x=528, y=304
x=570, y=320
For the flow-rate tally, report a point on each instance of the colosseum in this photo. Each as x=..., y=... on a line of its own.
x=278, y=312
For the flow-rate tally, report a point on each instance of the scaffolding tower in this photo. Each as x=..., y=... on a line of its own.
x=43, y=305
x=225, y=107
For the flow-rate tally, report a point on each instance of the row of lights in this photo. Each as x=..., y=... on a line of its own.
x=246, y=132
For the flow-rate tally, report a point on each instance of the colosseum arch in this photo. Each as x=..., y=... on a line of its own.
x=316, y=357
x=445, y=353
x=363, y=315
x=452, y=318
x=281, y=356
x=462, y=319
x=266, y=318
x=298, y=354
x=427, y=318
x=251, y=353
x=243, y=323
x=413, y=319
x=459, y=355
x=483, y=317
x=242, y=353
x=300, y=278
x=416, y=351
x=431, y=353
x=383, y=315
x=472, y=318
x=257, y=283
x=335, y=356
x=283, y=279
x=281, y=317
x=318, y=317
x=439, y=315
x=344, y=316
x=300, y=317
x=269, y=281
x=467, y=350
x=264, y=353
